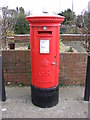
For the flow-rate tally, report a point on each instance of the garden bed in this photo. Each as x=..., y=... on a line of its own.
x=76, y=46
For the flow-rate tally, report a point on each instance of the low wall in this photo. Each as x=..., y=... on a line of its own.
x=16, y=67
x=73, y=68
x=64, y=37
x=73, y=37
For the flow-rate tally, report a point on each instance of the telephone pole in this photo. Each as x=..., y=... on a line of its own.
x=72, y=6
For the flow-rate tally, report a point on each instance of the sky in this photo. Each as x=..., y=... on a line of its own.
x=37, y=6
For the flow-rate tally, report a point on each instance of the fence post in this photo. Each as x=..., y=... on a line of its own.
x=87, y=84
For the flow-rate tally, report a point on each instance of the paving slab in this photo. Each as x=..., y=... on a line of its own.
x=19, y=105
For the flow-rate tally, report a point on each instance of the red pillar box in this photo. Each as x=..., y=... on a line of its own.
x=44, y=41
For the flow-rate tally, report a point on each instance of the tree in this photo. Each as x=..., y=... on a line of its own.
x=79, y=21
x=21, y=26
x=82, y=20
x=69, y=16
x=0, y=33
x=6, y=23
x=86, y=19
x=83, y=23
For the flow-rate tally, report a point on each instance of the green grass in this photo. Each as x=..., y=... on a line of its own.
x=60, y=44
x=70, y=49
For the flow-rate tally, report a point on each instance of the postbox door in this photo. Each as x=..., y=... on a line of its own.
x=44, y=59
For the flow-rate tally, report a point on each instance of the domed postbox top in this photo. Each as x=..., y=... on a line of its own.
x=45, y=19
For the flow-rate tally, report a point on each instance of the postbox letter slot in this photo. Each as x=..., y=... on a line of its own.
x=45, y=32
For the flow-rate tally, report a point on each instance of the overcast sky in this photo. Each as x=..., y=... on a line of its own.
x=36, y=6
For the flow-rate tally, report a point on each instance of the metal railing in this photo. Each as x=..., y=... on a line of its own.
x=2, y=86
x=87, y=84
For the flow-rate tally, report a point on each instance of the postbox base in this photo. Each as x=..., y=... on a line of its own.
x=45, y=98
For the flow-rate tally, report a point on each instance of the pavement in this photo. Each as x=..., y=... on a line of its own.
x=19, y=105
x=0, y=110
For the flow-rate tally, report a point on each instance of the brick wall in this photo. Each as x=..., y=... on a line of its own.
x=22, y=38
x=73, y=68
x=73, y=37
x=16, y=66
x=64, y=37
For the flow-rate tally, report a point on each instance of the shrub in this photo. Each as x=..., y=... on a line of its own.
x=70, y=49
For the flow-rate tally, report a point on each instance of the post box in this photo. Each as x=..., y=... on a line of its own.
x=44, y=41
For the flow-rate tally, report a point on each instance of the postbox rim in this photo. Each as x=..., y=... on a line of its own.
x=44, y=15
x=45, y=18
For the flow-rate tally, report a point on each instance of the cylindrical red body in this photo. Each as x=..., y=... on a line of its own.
x=44, y=41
